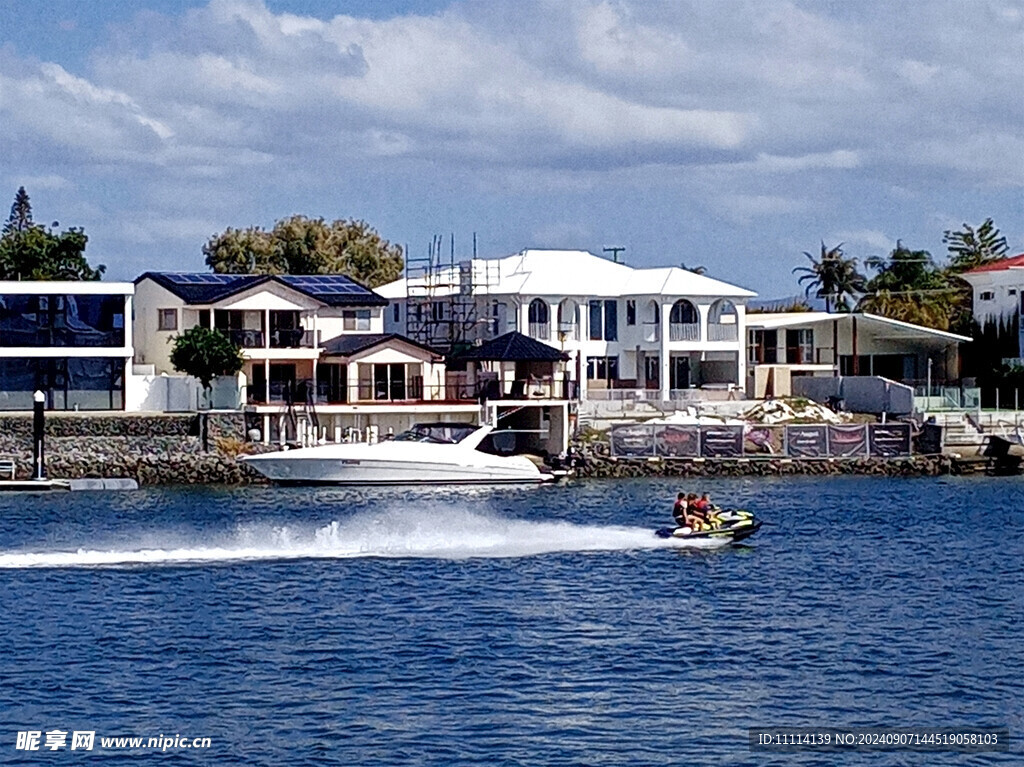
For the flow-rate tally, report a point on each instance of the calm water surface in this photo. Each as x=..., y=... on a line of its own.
x=509, y=626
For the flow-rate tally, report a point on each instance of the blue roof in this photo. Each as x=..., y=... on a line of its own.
x=208, y=288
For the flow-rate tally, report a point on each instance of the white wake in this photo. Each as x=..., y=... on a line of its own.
x=448, y=533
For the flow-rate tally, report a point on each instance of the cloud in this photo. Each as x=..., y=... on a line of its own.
x=865, y=237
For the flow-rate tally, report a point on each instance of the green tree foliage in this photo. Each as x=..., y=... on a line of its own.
x=301, y=245
x=970, y=248
x=205, y=353
x=908, y=286
x=31, y=251
x=833, y=277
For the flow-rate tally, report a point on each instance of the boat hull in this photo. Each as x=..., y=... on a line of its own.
x=313, y=471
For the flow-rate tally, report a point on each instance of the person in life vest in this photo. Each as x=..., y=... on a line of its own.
x=679, y=510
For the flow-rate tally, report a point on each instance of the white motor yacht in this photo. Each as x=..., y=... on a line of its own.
x=429, y=453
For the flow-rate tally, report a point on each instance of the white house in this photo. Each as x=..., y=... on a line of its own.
x=316, y=356
x=659, y=330
x=70, y=340
x=998, y=291
x=781, y=346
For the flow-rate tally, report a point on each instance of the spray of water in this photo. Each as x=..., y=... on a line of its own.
x=449, y=533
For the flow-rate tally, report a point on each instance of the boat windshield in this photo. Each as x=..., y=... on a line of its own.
x=444, y=433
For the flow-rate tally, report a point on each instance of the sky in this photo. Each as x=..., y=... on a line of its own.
x=725, y=134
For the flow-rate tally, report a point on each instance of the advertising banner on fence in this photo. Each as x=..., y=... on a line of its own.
x=721, y=441
x=890, y=439
x=807, y=441
x=762, y=440
x=632, y=441
x=677, y=441
x=848, y=441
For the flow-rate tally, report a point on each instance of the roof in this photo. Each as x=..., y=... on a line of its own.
x=894, y=328
x=569, y=273
x=208, y=288
x=353, y=343
x=513, y=347
x=1016, y=262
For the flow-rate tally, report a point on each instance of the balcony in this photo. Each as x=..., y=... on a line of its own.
x=570, y=331
x=540, y=330
x=719, y=332
x=684, y=331
x=247, y=339
x=652, y=331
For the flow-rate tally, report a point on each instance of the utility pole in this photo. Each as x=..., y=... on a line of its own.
x=615, y=253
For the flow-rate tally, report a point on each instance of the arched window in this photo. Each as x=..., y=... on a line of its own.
x=540, y=319
x=684, y=322
x=723, y=324
x=684, y=313
x=569, y=319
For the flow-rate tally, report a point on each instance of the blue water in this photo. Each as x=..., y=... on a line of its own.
x=509, y=626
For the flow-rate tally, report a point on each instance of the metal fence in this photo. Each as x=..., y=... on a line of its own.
x=887, y=440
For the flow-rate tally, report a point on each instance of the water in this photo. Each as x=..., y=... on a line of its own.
x=509, y=626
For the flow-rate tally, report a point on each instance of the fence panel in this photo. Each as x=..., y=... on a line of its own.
x=677, y=441
x=633, y=441
x=807, y=441
x=848, y=441
x=889, y=439
x=721, y=441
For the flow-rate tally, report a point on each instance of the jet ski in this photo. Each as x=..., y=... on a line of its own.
x=722, y=524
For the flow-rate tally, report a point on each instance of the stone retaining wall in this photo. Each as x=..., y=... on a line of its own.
x=913, y=466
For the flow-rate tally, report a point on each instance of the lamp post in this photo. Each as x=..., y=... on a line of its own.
x=38, y=454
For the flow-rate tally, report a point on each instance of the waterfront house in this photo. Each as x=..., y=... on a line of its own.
x=318, y=363
x=69, y=339
x=998, y=292
x=782, y=346
x=653, y=333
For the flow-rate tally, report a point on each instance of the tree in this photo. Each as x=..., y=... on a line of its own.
x=30, y=251
x=970, y=248
x=205, y=353
x=832, y=277
x=301, y=245
x=909, y=286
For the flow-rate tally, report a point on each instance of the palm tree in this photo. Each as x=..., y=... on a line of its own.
x=909, y=287
x=832, y=276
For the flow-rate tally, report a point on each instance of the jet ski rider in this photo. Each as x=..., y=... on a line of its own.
x=689, y=510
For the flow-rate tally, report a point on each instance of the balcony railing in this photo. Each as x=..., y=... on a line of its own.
x=540, y=330
x=652, y=331
x=684, y=331
x=305, y=392
x=570, y=330
x=247, y=339
x=719, y=332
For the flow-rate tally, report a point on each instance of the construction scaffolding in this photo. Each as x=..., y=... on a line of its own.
x=446, y=298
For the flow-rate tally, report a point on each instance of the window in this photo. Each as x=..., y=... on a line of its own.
x=762, y=347
x=539, y=317
x=986, y=295
x=437, y=310
x=603, y=368
x=355, y=319
x=1011, y=292
x=167, y=318
x=604, y=320
x=395, y=311
x=631, y=312
x=800, y=346
x=596, y=321
x=611, y=320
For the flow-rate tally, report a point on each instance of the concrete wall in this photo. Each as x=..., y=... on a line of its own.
x=861, y=394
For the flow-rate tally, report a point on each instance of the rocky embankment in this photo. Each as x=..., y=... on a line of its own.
x=153, y=450
x=597, y=464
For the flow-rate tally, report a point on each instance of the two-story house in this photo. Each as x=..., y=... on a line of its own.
x=998, y=293
x=70, y=340
x=316, y=342
x=656, y=331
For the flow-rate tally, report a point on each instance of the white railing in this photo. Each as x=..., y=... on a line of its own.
x=569, y=330
x=652, y=331
x=540, y=330
x=684, y=331
x=717, y=332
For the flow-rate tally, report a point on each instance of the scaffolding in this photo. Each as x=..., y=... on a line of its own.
x=446, y=298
